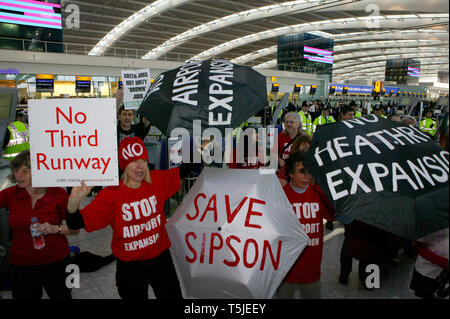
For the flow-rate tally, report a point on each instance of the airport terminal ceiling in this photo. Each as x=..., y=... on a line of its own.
x=246, y=31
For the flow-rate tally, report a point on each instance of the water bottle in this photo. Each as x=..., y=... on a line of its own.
x=38, y=238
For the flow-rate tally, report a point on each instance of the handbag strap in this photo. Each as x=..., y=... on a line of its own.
x=290, y=142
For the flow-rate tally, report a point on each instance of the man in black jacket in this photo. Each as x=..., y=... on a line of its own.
x=125, y=126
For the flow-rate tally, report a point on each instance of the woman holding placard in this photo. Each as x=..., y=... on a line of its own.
x=135, y=211
x=39, y=250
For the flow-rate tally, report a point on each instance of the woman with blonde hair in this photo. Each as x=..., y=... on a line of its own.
x=292, y=130
x=135, y=211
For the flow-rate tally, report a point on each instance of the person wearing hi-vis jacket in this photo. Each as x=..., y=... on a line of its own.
x=135, y=211
x=428, y=124
x=306, y=119
x=325, y=118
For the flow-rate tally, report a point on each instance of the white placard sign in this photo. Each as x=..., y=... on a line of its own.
x=73, y=140
x=135, y=85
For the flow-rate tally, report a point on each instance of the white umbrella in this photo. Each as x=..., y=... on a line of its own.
x=235, y=235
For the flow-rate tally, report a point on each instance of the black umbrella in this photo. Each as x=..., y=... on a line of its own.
x=380, y=172
x=217, y=92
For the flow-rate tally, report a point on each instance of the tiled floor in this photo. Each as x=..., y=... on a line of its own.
x=101, y=284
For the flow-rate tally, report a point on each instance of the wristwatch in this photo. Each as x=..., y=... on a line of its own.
x=59, y=230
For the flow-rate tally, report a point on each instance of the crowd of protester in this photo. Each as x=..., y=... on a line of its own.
x=34, y=270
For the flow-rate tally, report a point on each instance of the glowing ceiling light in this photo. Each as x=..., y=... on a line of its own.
x=156, y=8
x=236, y=18
x=346, y=47
x=329, y=24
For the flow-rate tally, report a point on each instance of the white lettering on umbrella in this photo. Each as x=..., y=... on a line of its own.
x=332, y=185
x=443, y=153
x=155, y=86
x=378, y=135
x=357, y=180
x=329, y=148
x=391, y=139
x=377, y=176
x=338, y=147
x=410, y=173
x=362, y=141
x=224, y=70
x=422, y=171
x=398, y=136
x=185, y=97
x=439, y=178
x=399, y=176
x=360, y=121
x=440, y=162
x=186, y=81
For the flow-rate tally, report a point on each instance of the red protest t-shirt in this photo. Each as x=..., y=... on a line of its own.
x=310, y=208
x=135, y=215
x=283, y=140
x=50, y=208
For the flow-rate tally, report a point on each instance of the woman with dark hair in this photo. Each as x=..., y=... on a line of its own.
x=44, y=267
x=301, y=144
x=310, y=206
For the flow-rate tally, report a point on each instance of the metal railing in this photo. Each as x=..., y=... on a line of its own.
x=294, y=68
x=84, y=49
x=121, y=52
x=77, y=48
x=80, y=49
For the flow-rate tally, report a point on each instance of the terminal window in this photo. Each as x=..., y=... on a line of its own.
x=305, y=51
x=25, y=25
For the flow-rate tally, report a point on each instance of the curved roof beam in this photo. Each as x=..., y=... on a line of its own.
x=149, y=11
x=346, y=47
x=267, y=65
x=387, y=21
x=241, y=17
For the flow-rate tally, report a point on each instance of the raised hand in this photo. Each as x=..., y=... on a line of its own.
x=77, y=195
x=119, y=97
